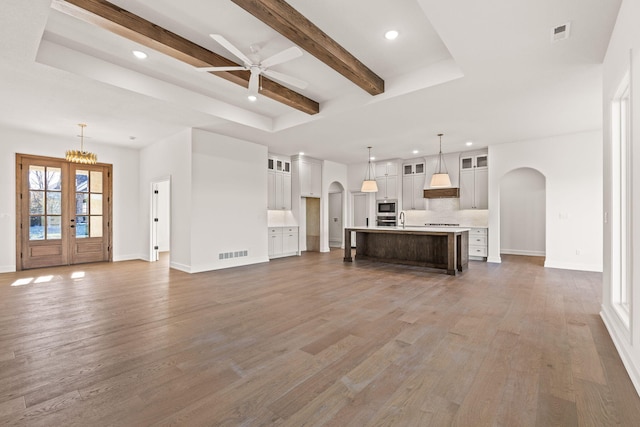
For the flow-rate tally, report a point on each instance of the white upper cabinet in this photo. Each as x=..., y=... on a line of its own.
x=310, y=178
x=474, y=180
x=413, y=182
x=278, y=183
x=387, y=180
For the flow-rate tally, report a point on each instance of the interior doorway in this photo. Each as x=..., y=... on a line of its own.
x=160, y=219
x=336, y=209
x=523, y=213
x=63, y=212
x=360, y=213
x=313, y=224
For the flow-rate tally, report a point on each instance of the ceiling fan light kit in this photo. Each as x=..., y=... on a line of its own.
x=259, y=68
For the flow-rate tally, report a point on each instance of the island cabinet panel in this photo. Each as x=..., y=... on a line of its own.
x=444, y=250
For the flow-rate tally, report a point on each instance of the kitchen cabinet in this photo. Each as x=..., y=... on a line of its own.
x=386, y=169
x=283, y=241
x=387, y=188
x=278, y=184
x=310, y=178
x=413, y=180
x=478, y=243
x=387, y=180
x=474, y=181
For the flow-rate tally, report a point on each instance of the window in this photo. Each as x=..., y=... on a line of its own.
x=621, y=271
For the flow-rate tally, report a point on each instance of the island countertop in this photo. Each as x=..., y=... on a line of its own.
x=445, y=248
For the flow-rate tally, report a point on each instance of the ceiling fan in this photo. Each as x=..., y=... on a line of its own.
x=258, y=68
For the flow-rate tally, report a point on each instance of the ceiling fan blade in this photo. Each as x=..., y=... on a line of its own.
x=284, y=56
x=238, y=68
x=231, y=48
x=254, y=80
x=284, y=78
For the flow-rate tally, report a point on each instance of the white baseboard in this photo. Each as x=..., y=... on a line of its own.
x=181, y=267
x=572, y=266
x=521, y=252
x=494, y=259
x=623, y=346
x=219, y=265
x=7, y=268
x=129, y=257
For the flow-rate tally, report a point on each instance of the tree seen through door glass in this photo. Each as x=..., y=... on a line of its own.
x=89, y=204
x=45, y=202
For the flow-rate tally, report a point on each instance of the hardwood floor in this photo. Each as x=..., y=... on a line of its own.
x=309, y=341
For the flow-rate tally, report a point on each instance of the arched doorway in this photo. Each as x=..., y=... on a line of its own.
x=523, y=213
x=336, y=215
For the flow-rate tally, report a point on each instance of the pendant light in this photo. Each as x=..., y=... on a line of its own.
x=440, y=179
x=81, y=156
x=369, y=185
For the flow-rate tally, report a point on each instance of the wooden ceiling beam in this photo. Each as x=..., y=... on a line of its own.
x=126, y=24
x=283, y=18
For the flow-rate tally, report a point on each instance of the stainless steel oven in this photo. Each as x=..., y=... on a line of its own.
x=386, y=221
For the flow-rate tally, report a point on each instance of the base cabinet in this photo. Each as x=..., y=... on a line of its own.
x=283, y=241
x=478, y=243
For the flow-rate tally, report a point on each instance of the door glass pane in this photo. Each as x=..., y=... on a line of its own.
x=82, y=227
x=95, y=226
x=96, y=182
x=95, y=204
x=36, y=202
x=54, y=179
x=82, y=204
x=54, y=203
x=82, y=181
x=36, y=177
x=54, y=229
x=36, y=228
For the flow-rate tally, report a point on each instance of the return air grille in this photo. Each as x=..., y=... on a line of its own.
x=561, y=32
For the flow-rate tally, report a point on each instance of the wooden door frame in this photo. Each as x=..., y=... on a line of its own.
x=18, y=203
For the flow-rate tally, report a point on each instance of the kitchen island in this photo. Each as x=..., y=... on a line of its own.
x=444, y=248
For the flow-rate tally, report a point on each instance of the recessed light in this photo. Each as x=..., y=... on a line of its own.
x=372, y=158
x=139, y=54
x=252, y=98
x=391, y=35
x=469, y=143
x=415, y=151
x=301, y=153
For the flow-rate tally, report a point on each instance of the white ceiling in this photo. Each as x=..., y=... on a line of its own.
x=485, y=72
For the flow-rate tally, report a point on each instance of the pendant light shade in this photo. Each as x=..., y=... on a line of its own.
x=81, y=156
x=440, y=179
x=369, y=185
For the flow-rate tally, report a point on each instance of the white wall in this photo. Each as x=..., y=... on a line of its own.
x=170, y=157
x=331, y=172
x=572, y=165
x=624, y=44
x=229, y=201
x=522, y=213
x=125, y=188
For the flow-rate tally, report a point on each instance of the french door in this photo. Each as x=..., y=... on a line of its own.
x=63, y=212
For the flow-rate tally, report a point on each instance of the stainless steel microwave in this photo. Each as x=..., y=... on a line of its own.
x=387, y=207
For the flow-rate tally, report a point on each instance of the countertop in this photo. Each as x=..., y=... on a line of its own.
x=412, y=229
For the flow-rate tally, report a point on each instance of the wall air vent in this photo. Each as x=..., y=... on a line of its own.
x=561, y=32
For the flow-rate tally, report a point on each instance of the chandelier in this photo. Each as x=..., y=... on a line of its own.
x=81, y=156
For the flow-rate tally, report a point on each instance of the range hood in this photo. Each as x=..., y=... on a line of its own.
x=442, y=193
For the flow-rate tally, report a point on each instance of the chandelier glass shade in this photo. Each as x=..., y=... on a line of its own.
x=81, y=156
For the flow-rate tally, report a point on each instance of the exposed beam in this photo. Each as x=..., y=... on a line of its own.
x=283, y=18
x=128, y=25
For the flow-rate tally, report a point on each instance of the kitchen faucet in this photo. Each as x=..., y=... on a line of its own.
x=402, y=219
